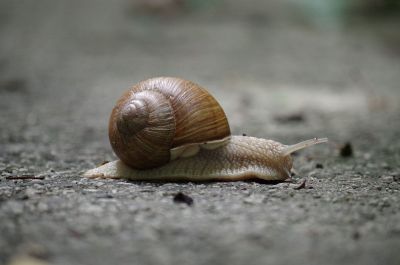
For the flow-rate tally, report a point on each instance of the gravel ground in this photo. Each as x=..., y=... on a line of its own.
x=63, y=64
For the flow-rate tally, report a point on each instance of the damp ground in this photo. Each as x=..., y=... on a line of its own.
x=63, y=64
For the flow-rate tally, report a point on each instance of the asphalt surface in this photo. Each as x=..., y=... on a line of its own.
x=63, y=64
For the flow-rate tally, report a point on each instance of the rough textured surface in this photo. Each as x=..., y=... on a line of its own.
x=277, y=74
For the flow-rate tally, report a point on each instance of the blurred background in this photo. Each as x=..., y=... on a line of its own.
x=65, y=59
x=288, y=70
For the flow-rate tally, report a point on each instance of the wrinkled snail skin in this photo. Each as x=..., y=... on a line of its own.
x=241, y=158
x=170, y=129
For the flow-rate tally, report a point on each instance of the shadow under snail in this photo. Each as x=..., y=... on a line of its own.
x=171, y=129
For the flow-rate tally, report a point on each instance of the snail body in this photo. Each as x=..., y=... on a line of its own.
x=241, y=158
x=171, y=129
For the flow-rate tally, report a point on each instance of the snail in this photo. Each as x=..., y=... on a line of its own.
x=171, y=129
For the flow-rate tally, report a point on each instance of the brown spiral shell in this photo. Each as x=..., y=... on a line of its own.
x=164, y=118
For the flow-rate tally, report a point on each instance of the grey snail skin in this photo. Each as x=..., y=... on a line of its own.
x=170, y=129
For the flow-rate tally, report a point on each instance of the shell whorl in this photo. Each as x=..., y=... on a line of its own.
x=162, y=114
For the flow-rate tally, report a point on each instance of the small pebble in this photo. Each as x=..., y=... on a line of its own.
x=396, y=177
x=182, y=198
x=302, y=185
x=346, y=150
x=99, y=184
x=387, y=178
x=356, y=235
x=294, y=117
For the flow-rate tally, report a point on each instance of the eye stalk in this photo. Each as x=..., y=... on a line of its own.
x=304, y=144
